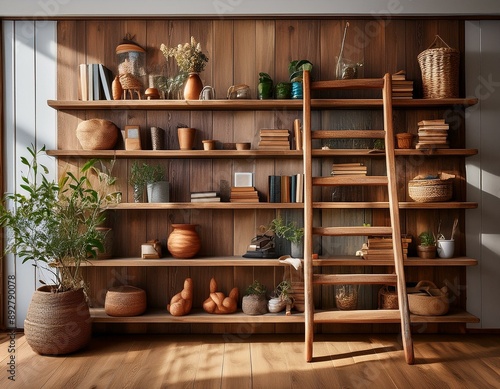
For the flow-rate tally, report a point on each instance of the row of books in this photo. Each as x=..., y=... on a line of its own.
x=348, y=169
x=274, y=139
x=381, y=248
x=286, y=189
x=401, y=87
x=432, y=134
x=205, y=197
x=95, y=81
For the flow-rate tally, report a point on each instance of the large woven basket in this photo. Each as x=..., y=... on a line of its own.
x=57, y=323
x=424, y=190
x=426, y=299
x=439, y=67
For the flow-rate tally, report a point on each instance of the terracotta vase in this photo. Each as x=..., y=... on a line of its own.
x=193, y=87
x=184, y=242
x=186, y=137
x=57, y=323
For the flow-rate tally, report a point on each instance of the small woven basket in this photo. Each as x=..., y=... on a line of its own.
x=439, y=67
x=424, y=190
x=426, y=299
x=387, y=298
x=125, y=300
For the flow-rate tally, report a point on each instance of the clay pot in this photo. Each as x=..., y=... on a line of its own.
x=186, y=137
x=193, y=87
x=184, y=242
x=57, y=323
x=426, y=252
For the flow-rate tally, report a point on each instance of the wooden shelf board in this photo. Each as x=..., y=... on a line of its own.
x=385, y=316
x=162, y=316
x=413, y=261
x=240, y=261
x=201, y=262
x=253, y=104
x=218, y=205
x=257, y=154
x=402, y=205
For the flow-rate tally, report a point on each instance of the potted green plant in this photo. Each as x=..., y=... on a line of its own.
x=280, y=297
x=265, y=86
x=54, y=224
x=295, y=70
x=291, y=232
x=427, y=247
x=150, y=177
x=254, y=302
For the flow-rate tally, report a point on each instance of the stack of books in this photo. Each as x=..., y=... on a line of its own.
x=205, y=197
x=381, y=248
x=286, y=189
x=95, y=81
x=244, y=194
x=274, y=139
x=401, y=87
x=432, y=134
x=348, y=169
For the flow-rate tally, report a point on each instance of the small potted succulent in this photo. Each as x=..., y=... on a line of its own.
x=427, y=247
x=295, y=71
x=255, y=302
x=280, y=297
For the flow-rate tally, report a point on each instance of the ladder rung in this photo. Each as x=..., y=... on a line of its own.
x=343, y=134
x=359, y=316
x=360, y=83
x=352, y=231
x=358, y=279
x=350, y=180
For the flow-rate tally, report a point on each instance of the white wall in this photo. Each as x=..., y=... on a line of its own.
x=30, y=53
x=483, y=171
x=53, y=8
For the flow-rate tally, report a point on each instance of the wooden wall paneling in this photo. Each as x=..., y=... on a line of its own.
x=330, y=41
x=286, y=46
x=223, y=56
x=395, y=47
x=157, y=32
x=71, y=51
x=202, y=31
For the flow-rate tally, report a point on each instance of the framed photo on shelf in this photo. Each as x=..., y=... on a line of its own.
x=132, y=137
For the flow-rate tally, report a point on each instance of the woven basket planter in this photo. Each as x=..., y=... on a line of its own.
x=57, y=323
x=439, y=67
x=254, y=304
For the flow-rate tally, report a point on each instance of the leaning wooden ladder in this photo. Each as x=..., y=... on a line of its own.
x=361, y=316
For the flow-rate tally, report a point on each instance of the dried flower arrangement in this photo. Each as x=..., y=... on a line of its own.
x=189, y=56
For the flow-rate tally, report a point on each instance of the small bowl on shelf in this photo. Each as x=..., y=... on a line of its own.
x=243, y=146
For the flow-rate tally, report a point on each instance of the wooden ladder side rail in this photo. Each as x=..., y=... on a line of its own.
x=395, y=220
x=308, y=218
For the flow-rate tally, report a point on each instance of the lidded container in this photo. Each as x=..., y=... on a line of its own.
x=131, y=60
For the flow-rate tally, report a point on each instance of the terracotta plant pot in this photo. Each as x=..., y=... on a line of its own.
x=184, y=241
x=426, y=252
x=57, y=323
x=186, y=137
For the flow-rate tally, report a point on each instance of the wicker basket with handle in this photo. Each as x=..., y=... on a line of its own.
x=439, y=67
x=428, y=300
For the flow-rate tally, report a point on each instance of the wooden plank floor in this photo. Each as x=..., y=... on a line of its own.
x=259, y=361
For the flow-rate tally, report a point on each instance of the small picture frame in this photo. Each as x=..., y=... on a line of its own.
x=132, y=138
x=243, y=179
